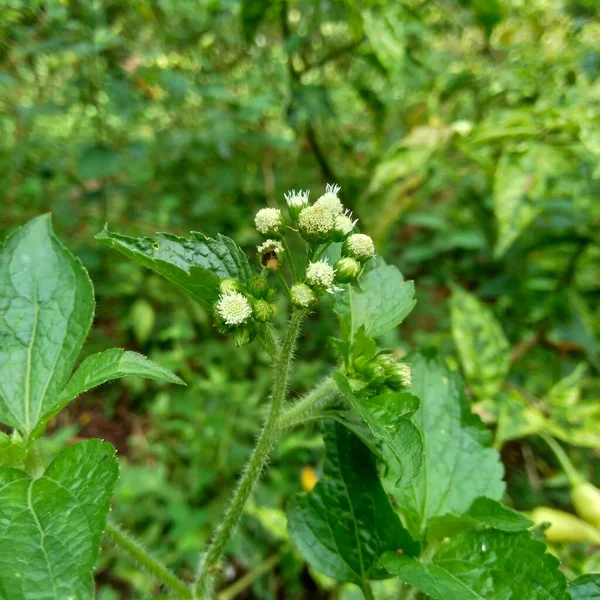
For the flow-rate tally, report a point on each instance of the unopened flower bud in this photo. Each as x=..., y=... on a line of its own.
x=269, y=222
x=244, y=335
x=330, y=200
x=343, y=226
x=359, y=246
x=270, y=254
x=263, y=311
x=316, y=223
x=233, y=309
x=320, y=276
x=259, y=286
x=302, y=296
x=403, y=374
x=347, y=269
x=296, y=201
x=230, y=285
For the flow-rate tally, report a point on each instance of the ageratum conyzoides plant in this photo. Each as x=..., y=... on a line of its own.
x=411, y=488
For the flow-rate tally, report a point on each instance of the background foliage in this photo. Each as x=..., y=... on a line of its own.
x=465, y=134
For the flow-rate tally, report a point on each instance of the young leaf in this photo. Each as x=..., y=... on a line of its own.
x=389, y=419
x=382, y=302
x=346, y=523
x=46, y=309
x=51, y=527
x=480, y=565
x=483, y=348
x=586, y=587
x=457, y=465
x=105, y=366
x=195, y=264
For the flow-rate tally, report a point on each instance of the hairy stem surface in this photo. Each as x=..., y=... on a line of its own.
x=308, y=405
x=140, y=555
x=209, y=565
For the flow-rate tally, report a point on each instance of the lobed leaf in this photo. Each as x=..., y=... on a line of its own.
x=46, y=309
x=346, y=523
x=382, y=302
x=196, y=264
x=585, y=587
x=51, y=526
x=458, y=467
x=484, y=565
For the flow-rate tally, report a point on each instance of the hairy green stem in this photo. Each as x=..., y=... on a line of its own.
x=209, y=564
x=307, y=406
x=139, y=554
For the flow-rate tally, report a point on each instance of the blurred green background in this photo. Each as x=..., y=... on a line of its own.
x=466, y=137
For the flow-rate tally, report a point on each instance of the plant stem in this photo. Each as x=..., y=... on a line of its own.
x=570, y=471
x=367, y=591
x=249, y=578
x=139, y=554
x=309, y=404
x=204, y=585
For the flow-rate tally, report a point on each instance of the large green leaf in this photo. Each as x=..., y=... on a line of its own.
x=484, y=565
x=381, y=303
x=483, y=347
x=586, y=587
x=389, y=419
x=346, y=523
x=51, y=526
x=458, y=467
x=521, y=189
x=46, y=309
x=195, y=264
x=105, y=366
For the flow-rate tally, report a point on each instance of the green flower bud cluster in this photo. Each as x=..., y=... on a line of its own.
x=239, y=311
x=383, y=369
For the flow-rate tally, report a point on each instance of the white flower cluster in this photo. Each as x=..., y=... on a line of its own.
x=321, y=275
x=233, y=309
x=330, y=200
x=297, y=199
x=404, y=374
x=268, y=221
x=360, y=247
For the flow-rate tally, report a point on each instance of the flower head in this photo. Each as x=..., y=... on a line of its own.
x=270, y=253
x=330, y=200
x=233, y=309
x=268, y=221
x=359, y=246
x=347, y=269
x=321, y=276
x=343, y=226
x=403, y=373
x=302, y=296
x=297, y=199
x=316, y=223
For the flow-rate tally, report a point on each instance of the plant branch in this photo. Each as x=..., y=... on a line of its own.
x=152, y=565
x=209, y=564
x=249, y=578
x=305, y=408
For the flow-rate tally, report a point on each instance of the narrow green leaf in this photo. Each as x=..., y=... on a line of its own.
x=382, y=302
x=346, y=523
x=105, y=366
x=51, y=527
x=517, y=418
x=483, y=348
x=389, y=419
x=484, y=565
x=457, y=465
x=586, y=587
x=195, y=264
x=46, y=309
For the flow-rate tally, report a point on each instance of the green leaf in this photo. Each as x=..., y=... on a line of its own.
x=483, y=348
x=389, y=419
x=344, y=525
x=12, y=449
x=484, y=565
x=382, y=302
x=46, y=309
x=195, y=264
x=482, y=514
x=458, y=467
x=521, y=189
x=51, y=527
x=586, y=587
x=105, y=366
